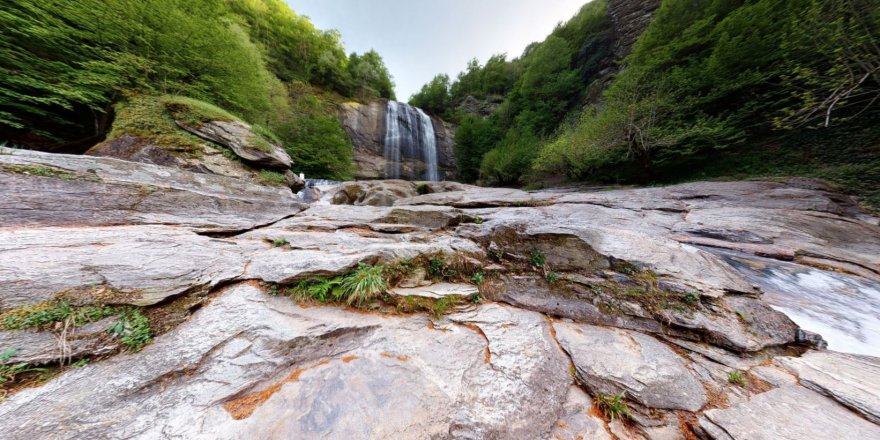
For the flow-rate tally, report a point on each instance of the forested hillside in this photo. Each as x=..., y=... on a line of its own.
x=65, y=65
x=713, y=88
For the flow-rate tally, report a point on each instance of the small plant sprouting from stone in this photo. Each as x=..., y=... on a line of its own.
x=435, y=267
x=80, y=363
x=422, y=188
x=477, y=278
x=357, y=288
x=280, y=243
x=736, y=378
x=132, y=329
x=692, y=298
x=537, y=258
x=552, y=277
x=9, y=371
x=613, y=406
x=272, y=290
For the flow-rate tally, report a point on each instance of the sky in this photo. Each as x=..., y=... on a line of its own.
x=419, y=39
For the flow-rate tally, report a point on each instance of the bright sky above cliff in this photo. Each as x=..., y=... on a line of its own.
x=421, y=38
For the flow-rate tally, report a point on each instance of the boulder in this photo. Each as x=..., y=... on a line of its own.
x=244, y=141
x=611, y=361
x=375, y=193
x=792, y=413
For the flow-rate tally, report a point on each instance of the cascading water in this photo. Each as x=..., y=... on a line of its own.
x=409, y=134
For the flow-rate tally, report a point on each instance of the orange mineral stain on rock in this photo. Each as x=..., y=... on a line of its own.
x=350, y=359
x=391, y=356
x=243, y=407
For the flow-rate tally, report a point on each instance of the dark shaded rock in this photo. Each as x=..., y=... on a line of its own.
x=629, y=19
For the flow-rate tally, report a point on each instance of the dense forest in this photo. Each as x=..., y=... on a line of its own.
x=70, y=66
x=721, y=88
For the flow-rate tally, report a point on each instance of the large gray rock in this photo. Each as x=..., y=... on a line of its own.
x=611, y=361
x=143, y=265
x=43, y=189
x=792, y=413
x=244, y=141
x=253, y=366
x=854, y=381
x=579, y=423
x=48, y=347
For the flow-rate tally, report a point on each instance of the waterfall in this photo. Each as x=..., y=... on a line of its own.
x=409, y=135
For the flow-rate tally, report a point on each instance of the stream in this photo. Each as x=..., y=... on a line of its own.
x=844, y=309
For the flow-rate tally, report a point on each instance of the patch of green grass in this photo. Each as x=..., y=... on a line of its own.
x=537, y=258
x=736, y=378
x=613, y=406
x=280, y=242
x=9, y=371
x=435, y=267
x=47, y=171
x=443, y=305
x=80, y=363
x=146, y=116
x=261, y=143
x=477, y=278
x=133, y=329
x=272, y=178
x=194, y=112
x=317, y=289
x=266, y=133
x=363, y=285
x=45, y=314
x=552, y=277
x=692, y=298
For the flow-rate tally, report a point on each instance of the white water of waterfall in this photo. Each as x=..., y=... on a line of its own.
x=409, y=135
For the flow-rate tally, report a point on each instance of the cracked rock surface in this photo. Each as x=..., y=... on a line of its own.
x=650, y=298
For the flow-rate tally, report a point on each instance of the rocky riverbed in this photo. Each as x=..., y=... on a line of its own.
x=681, y=312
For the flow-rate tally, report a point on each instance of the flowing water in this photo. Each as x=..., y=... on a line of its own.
x=409, y=135
x=844, y=309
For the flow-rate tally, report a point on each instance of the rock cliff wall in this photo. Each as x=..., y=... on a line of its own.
x=365, y=124
x=629, y=18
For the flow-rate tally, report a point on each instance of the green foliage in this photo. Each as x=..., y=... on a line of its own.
x=506, y=163
x=434, y=97
x=363, y=285
x=692, y=298
x=194, y=112
x=552, y=277
x=422, y=188
x=133, y=329
x=613, y=406
x=369, y=78
x=537, y=258
x=147, y=116
x=707, y=77
x=73, y=59
x=9, y=371
x=477, y=278
x=45, y=314
x=274, y=178
x=736, y=378
x=436, y=267
x=474, y=138
x=46, y=171
x=280, y=242
x=313, y=136
x=318, y=289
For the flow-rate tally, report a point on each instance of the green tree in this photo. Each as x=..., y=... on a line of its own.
x=434, y=96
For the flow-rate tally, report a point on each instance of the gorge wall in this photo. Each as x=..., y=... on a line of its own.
x=408, y=150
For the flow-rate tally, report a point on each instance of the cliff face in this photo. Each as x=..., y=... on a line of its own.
x=630, y=18
x=365, y=124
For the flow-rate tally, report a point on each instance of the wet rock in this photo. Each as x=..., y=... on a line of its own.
x=43, y=189
x=375, y=193
x=791, y=412
x=244, y=141
x=611, y=361
x=253, y=366
x=852, y=380
x=294, y=181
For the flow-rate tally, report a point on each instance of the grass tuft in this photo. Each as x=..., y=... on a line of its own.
x=736, y=378
x=272, y=178
x=613, y=406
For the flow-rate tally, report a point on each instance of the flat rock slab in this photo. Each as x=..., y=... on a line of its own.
x=611, y=361
x=44, y=189
x=142, y=264
x=438, y=290
x=852, y=380
x=43, y=347
x=579, y=423
x=476, y=197
x=253, y=366
x=787, y=413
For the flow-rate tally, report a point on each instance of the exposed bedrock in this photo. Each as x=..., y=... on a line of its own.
x=628, y=314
